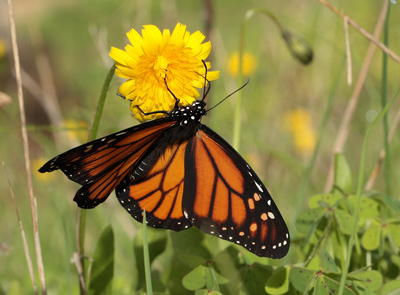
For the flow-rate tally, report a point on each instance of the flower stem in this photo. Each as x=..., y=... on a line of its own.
x=81, y=223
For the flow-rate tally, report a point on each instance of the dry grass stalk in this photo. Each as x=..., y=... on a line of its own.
x=382, y=154
x=348, y=51
x=21, y=228
x=39, y=259
x=352, y=104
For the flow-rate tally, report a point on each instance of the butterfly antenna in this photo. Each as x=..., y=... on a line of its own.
x=248, y=80
x=177, y=100
x=207, y=84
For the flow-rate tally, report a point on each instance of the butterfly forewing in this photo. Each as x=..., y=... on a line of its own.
x=103, y=163
x=224, y=197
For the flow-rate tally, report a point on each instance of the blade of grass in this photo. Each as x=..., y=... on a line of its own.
x=147, y=270
x=81, y=221
x=32, y=200
x=21, y=228
x=359, y=190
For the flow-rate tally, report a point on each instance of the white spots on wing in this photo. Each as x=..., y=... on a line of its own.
x=274, y=247
x=269, y=202
x=258, y=186
x=287, y=236
x=121, y=133
x=103, y=139
x=284, y=243
x=271, y=215
x=186, y=214
x=280, y=245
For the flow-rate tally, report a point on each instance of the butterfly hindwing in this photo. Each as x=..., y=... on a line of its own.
x=159, y=192
x=224, y=197
x=101, y=164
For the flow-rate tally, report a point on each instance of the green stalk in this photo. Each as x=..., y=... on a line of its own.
x=387, y=159
x=301, y=193
x=238, y=108
x=147, y=270
x=359, y=189
x=298, y=48
x=91, y=136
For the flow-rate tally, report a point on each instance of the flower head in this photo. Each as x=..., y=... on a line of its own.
x=155, y=60
x=249, y=64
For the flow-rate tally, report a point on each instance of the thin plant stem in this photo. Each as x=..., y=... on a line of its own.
x=301, y=193
x=363, y=32
x=238, y=108
x=32, y=200
x=81, y=223
x=147, y=270
x=387, y=159
x=345, y=270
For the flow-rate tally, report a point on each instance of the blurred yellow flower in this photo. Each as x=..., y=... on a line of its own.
x=299, y=124
x=156, y=56
x=2, y=49
x=77, y=131
x=43, y=177
x=248, y=64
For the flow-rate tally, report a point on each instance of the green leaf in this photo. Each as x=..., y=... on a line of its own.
x=329, y=199
x=301, y=278
x=278, y=283
x=327, y=262
x=369, y=208
x=391, y=202
x=309, y=219
x=370, y=280
x=371, y=238
x=391, y=288
x=394, y=231
x=195, y=279
x=102, y=270
x=343, y=178
x=189, y=242
x=345, y=221
x=325, y=283
x=254, y=278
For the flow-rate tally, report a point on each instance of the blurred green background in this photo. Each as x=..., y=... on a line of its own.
x=64, y=49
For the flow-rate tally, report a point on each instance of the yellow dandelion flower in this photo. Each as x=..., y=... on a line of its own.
x=249, y=64
x=299, y=124
x=156, y=56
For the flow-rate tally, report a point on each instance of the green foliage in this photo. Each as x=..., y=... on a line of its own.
x=102, y=269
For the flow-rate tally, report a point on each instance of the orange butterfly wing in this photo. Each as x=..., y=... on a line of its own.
x=204, y=182
x=99, y=166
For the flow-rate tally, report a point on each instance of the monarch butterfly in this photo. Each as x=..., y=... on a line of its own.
x=182, y=174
